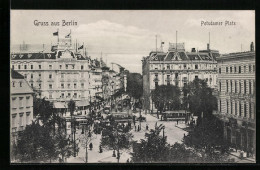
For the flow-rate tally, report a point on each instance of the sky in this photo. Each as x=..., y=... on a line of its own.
x=126, y=36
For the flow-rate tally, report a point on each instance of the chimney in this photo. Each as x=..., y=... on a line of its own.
x=193, y=50
x=208, y=46
x=252, y=46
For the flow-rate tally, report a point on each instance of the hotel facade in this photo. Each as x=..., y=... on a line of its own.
x=177, y=67
x=236, y=99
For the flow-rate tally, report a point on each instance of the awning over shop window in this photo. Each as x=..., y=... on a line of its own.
x=59, y=105
x=82, y=103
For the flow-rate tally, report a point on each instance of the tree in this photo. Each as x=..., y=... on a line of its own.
x=134, y=85
x=116, y=137
x=166, y=97
x=153, y=149
x=36, y=144
x=199, y=98
x=42, y=109
x=156, y=149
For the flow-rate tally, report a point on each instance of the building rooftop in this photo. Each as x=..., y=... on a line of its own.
x=45, y=55
x=18, y=84
x=16, y=75
x=237, y=55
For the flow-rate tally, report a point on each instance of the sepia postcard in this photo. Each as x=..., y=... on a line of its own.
x=132, y=86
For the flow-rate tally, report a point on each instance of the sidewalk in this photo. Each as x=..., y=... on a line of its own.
x=236, y=156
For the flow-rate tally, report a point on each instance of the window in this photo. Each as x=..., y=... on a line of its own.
x=68, y=94
x=25, y=67
x=244, y=69
x=13, y=67
x=196, y=77
x=31, y=66
x=244, y=86
x=226, y=69
x=235, y=108
x=21, y=84
x=27, y=100
x=240, y=87
x=21, y=119
x=40, y=85
x=25, y=76
x=168, y=66
x=184, y=66
x=82, y=85
x=250, y=87
x=31, y=76
x=231, y=86
x=219, y=70
x=219, y=86
x=31, y=84
x=40, y=67
x=168, y=79
x=40, y=75
x=231, y=107
x=68, y=85
x=75, y=95
x=235, y=69
x=19, y=67
x=240, y=109
x=13, y=120
x=62, y=95
x=230, y=69
x=249, y=68
x=50, y=86
x=239, y=69
x=196, y=66
x=50, y=67
x=13, y=84
x=245, y=111
x=227, y=107
x=227, y=86
x=250, y=110
x=60, y=66
x=82, y=67
x=253, y=67
x=50, y=95
x=73, y=66
x=156, y=84
x=75, y=85
x=27, y=117
x=235, y=86
x=67, y=66
x=220, y=105
x=50, y=76
x=62, y=85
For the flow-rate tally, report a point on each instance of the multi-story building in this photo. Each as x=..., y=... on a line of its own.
x=59, y=76
x=21, y=102
x=177, y=67
x=236, y=100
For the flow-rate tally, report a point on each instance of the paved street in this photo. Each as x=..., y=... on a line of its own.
x=173, y=133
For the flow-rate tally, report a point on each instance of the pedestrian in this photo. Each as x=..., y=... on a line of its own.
x=100, y=149
x=90, y=146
